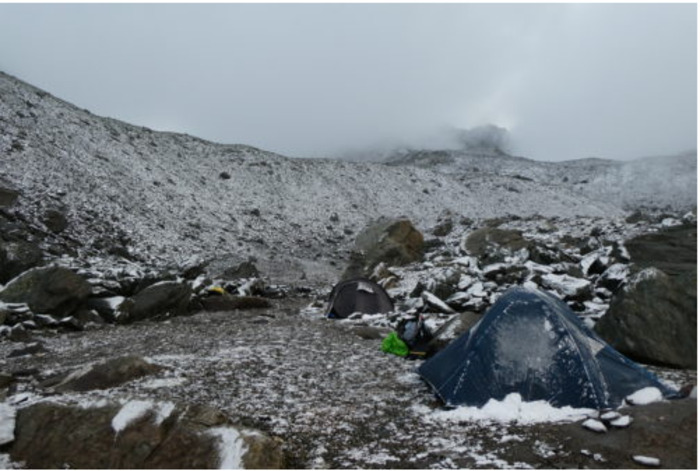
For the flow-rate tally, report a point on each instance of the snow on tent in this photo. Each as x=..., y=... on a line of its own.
x=531, y=343
x=358, y=295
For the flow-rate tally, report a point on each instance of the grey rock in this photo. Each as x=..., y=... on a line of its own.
x=673, y=251
x=16, y=257
x=163, y=298
x=394, y=242
x=613, y=277
x=443, y=228
x=505, y=274
x=48, y=290
x=193, y=268
x=103, y=376
x=71, y=323
x=19, y=333
x=106, y=308
x=452, y=329
x=492, y=245
x=654, y=319
x=166, y=436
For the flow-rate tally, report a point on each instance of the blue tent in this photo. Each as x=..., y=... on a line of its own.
x=531, y=343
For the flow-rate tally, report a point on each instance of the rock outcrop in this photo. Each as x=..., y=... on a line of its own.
x=654, y=319
x=103, y=375
x=162, y=298
x=138, y=434
x=48, y=290
x=492, y=245
x=16, y=257
x=394, y=242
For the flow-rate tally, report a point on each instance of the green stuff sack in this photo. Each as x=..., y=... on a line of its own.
x=393, y=344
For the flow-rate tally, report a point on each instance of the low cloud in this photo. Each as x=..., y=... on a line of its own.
x=566, y=80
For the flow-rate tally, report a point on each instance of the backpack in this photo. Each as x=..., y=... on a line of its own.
x=416, y=335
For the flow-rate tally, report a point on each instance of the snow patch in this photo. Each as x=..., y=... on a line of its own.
x=646, y=274
x=565, y=284
x=512, y=409
x=7, y=463
x=646, y=460
x=7, y=423
x=594, y=425
x=130, y=412
x=622, y=422
x=231, y=447
x=645, y=396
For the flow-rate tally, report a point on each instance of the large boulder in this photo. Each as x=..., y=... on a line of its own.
x=16, y=257
x=491, y=245
x=159, y=299
x=138, y=434
x=103, y=375
x=673, y=250
x=654, y=319
x=48, y=290
x=394, y=242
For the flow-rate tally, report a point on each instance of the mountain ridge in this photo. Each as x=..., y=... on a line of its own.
x=172, y=195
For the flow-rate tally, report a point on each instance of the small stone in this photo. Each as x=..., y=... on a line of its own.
x=647, y=460
x=610, y=415
x=622, y=422
x=594, y=425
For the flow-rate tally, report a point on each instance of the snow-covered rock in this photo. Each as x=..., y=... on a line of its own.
x=436, y=303
x=594, y=425
x=645, y=396
x=647, y=460
x=623, y=421
x=7, y=423
x=567, y=286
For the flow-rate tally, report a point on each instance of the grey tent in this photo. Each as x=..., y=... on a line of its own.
x=358, y=295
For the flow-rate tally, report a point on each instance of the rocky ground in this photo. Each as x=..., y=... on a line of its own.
x=324, y=388
x=333, y=397
x=162, y=299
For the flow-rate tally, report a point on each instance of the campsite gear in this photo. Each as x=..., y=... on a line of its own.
x=415, y=335
x=393, y=344
x=531, y=343
x=216, y=290
x=358, y=295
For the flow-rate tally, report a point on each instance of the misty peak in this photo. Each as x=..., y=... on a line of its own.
x=484, y=139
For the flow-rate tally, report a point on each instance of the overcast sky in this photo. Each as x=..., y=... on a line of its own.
x=568, y=81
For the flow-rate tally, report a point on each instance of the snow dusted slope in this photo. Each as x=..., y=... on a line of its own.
x=657, y=182
x=175, y=195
